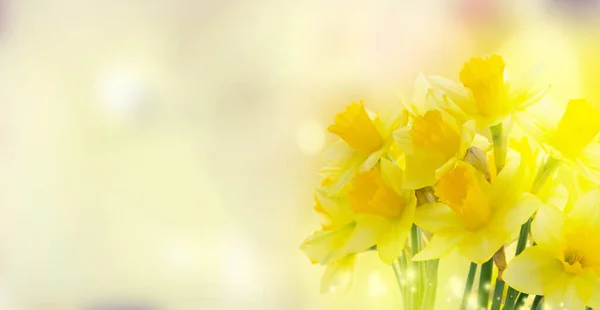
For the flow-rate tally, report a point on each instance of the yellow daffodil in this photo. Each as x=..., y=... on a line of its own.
x=338, y=236
x=432, y=143
x=383, y=208
x=375, y=210
x=364, y=139
x=485, y=94
x=474, y=216
x=564, y=265
x=573, y=139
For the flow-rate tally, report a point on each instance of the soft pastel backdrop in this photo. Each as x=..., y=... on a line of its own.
x=164, y=153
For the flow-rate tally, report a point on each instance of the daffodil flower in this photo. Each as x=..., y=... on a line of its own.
x=474, y=216
x=485, y=94
x=572, y=139
x=564, y=265
x=338, y=236
x=364, y=139
x=376, y=210
x=383, y=208
x=432, y=143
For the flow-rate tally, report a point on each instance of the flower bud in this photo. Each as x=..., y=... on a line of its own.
x=476, y=157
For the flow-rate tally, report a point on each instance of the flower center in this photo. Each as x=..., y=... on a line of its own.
x=356, y=128
x=573, y=263
x=462, y=190
x=432, y=133
x=577, y=127
x=485, y=78
x=371, y=195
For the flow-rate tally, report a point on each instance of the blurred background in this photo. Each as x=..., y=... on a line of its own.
x=161, y=154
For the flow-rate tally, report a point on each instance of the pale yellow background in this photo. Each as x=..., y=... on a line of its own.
x=165, y=152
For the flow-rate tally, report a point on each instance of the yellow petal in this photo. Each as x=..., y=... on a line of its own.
x=391, y=174
x=336, y=211
x=371, y=195
x=546, y=228
x=393, y=241
x=339, y=275
x=356, y=128
x=594, y=301
x=568, y=292
x=465, y=190
x=509, y=184
x=479, y=246
x=578, y=126
x=368, y=230
x=404, y=139
x=324, y=247
x=439, y=245
x=436, y=216
x=485, y=78
x=466, y=138
x=456, y=92
x=509, y=218
x=421, y=169
x=529, y=271
x=585, y=211
x=435, y=133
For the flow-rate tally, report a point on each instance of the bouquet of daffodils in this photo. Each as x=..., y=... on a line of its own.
x=474, y=167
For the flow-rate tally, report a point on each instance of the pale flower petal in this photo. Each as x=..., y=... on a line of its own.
x=435, y=217
x=479, y=246
x=528, y=271
x=391, y=174
x=368, y=231
x=564, y=292
x=394, y=240
x=339, y=275
x=324, y=247
x=510, y=218
x=586, y=210
x=439, y=245
x=421, y=169
x=404, y=139
x=546, y=228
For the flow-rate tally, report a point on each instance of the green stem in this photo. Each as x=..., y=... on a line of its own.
x=400, y=267
x=499, y=140
x=521, y=301
x=417, y=267
x=485, y=278
x=544, y=173
x=511, y=295
x=396, y=265
x=498, y=290
x=537, y=301
x=468, y=286
x=431, y=287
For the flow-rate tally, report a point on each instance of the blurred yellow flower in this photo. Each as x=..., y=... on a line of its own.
x=432, y=143
x=573, y=139
x=564, y=265
x=364, y=139
x=485, y=95
x=474, y=216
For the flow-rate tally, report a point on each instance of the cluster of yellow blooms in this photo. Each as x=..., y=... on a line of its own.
x=443, y=173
